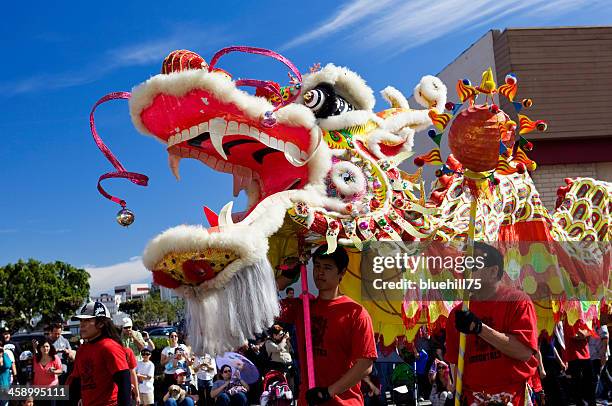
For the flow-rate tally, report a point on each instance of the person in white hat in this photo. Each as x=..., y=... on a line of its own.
x=101, y=375
x=131, y=338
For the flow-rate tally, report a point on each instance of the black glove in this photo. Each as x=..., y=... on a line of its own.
x=317, y=395
x=467, y=322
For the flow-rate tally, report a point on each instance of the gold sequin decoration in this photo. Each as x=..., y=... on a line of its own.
x=172, y=263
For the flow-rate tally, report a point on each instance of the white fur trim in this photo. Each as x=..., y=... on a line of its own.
x=347, y=83
x=268, y=216
x=431, y=90
x=394, y=97
x=179, y=83
x=320, y=164
x=221, y=320
x=349, y=119
x=407, y=133
x=378, y=137
x=250, y=247
x=415, y=119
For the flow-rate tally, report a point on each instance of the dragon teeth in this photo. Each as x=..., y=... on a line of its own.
x=203, y=128
x=232, y=128
x=237, y=187
x=216, y=128
x=293, y=154
x=272, y=143
x=173, y=162
x=243, y=129
x=219, y=127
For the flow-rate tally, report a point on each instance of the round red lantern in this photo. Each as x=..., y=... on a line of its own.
x=474, y=137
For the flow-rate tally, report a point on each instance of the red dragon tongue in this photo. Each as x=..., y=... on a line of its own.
x=182, y=59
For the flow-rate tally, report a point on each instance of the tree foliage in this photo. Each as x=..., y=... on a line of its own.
x=131, y=307
x=52, y=291
x=155, y=311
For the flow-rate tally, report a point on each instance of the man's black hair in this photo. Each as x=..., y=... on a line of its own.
x=492, y=257
x=289, y=289
x=339, y=256
x=108, y=329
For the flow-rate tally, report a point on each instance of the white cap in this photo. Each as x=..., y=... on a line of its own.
x=25, y=355
x=92, y=310
x=126, y=322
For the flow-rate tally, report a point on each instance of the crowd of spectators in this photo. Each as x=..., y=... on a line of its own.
x=574, y=368
x=570, y=366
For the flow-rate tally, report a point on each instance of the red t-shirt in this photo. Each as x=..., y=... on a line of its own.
x=575, y=348
x=130, y=358
x=95, y=364
x=487, y=369
x=341, y=333
x=41, y=372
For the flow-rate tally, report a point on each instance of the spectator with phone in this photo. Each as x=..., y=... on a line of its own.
x=61, y=343
x=131, y=338
x=46, y=366
x=206, y=369
x=62, y=348
x=149, y=344
x=229, y=388
x=441, y=386
x=278, y=348
x=167, y=355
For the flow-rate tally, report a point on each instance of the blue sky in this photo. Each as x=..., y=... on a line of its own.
x=62, y=57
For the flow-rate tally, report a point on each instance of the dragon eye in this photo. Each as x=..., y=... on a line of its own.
x=342, y=106
x=314, y=99
x=348, y=177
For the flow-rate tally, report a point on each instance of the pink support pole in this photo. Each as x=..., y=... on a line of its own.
x=307, y=326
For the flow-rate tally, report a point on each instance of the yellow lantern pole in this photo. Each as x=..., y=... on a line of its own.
x=480, y=180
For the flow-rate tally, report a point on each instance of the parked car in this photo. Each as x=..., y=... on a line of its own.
x=25, y=339
x=160, y=331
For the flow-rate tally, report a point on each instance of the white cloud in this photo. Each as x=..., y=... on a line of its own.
x=347, y=15
x=104, y=279
x=144, y=53
x=397, y=25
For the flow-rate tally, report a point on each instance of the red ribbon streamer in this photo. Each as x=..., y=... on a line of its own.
x=136, y=178
x=260, y=83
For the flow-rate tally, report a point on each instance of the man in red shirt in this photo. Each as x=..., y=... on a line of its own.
x=578, y=358
x=501, y=336
x=101, y=376
x=342, y=336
